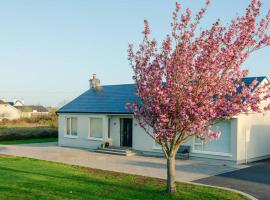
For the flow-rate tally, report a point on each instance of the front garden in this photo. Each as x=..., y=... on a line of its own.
x=24, y=178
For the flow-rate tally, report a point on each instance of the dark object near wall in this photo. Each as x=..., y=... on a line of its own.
x=183, y=152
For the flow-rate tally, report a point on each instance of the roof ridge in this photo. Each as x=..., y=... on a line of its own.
x=135, y=84
x=118, y=84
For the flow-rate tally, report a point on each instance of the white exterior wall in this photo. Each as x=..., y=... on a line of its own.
x=9, y=112
x=82, y=140
x=253, y=137
x=232, y=149
x=142, y=141
x=115, y=130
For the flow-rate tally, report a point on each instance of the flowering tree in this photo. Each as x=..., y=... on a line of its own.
x=193, y=80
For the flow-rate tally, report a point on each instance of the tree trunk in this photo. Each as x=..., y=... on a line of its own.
x=171, y=187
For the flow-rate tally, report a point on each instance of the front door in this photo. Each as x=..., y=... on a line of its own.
x=126, y=132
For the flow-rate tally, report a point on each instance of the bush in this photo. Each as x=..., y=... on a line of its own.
x=17, y=133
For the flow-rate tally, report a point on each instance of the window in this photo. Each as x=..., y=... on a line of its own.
x=71, y=129
x=219, y=146
x=198, y=145
x=96, y=130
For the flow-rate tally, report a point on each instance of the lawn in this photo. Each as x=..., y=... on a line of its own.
x=29, y=141
x=24, y=178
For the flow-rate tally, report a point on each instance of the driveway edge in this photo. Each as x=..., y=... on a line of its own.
x=223, y=188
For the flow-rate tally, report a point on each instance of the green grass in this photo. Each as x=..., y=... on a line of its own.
x=24, y=178
x=29, y=141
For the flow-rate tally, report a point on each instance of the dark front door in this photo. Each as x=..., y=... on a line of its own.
x=126, y=132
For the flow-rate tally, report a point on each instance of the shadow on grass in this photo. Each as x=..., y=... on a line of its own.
x=49, y=180
x=90, y=179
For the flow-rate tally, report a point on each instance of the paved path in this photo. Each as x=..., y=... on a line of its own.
x=186, y=170
x=254, y=180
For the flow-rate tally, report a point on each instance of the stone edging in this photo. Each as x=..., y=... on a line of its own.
x=223, y=188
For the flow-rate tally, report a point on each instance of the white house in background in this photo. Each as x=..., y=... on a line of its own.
x=99, y=115
x=17, y=109
x=7, y=111
x=32, y=111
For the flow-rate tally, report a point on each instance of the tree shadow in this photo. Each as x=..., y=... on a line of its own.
x=198, y=167
x=107, y=186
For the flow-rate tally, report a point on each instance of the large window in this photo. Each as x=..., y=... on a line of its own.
x=221, y=145
x=96, y=130
x=71, y=129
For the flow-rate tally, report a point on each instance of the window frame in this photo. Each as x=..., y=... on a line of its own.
x=68, y=132
x=156, y=146
x=198, y=144
x=89, y=128
x=202, y=151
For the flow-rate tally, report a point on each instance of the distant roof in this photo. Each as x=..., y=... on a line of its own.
x=111, y=99
x=32, y=108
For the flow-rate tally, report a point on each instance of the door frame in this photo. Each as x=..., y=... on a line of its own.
x=121, y=133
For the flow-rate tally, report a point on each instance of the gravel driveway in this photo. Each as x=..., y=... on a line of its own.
x=186, y=170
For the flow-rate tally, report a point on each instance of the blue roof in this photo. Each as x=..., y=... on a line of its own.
x=111, y=99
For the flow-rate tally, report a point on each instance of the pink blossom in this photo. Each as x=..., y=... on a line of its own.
x=213, y=135
x=202, y=74
x=146, y=28
x=178, y=6
x=208, y=2
x=128, y=106
x=189, y=11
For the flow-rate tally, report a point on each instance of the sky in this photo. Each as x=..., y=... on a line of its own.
x=50, y=48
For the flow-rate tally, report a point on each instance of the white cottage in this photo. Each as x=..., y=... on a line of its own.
x=99, y=115
x=8, y=111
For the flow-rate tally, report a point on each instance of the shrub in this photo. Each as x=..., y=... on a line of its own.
x=17, y=133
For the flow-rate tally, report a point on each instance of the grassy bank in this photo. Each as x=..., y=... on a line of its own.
x=29, y=141
x=23, y=178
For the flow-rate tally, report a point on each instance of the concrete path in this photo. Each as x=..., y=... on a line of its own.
x=254, y=180
x=186, y=170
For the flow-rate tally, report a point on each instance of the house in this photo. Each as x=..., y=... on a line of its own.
x=17, y=109
x=7, y=111
x=99, y=115
x=17, y=102
x=32, y=111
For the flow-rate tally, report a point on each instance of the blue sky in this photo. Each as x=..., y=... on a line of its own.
x=50, y=48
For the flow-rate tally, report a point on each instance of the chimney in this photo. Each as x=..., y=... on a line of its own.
x=94, y=83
